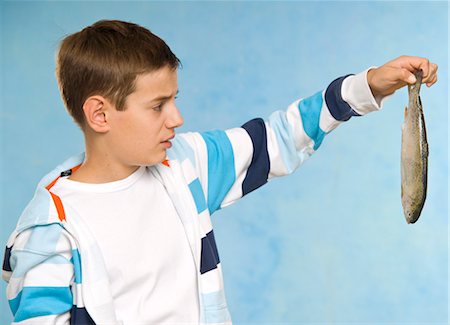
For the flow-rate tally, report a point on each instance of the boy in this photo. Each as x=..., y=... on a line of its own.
x=122, y=234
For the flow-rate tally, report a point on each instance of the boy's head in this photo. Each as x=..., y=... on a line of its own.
x=105, y=59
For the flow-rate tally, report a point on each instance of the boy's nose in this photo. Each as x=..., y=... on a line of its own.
x=174, y=120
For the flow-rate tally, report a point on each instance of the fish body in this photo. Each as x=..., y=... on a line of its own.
x=414, y=155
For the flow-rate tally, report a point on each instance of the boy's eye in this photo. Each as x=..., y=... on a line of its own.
x=158, y=108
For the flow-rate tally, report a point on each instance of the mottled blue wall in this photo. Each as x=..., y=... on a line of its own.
x=328, y=244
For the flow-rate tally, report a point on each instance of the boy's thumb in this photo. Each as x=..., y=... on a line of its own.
x=408, y=77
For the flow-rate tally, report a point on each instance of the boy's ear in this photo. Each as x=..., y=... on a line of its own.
x=95, y=108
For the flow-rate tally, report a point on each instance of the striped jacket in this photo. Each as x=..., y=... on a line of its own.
x=51, y=247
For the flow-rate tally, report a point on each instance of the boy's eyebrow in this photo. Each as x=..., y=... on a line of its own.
x=164, y=97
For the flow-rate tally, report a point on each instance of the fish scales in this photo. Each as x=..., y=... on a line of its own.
x=414, y=155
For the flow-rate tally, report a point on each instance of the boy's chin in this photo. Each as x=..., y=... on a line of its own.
x=156, y=160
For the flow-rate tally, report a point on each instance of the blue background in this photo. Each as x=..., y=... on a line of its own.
x=327, y=244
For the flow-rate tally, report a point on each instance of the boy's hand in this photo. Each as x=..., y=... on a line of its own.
x=399, y=72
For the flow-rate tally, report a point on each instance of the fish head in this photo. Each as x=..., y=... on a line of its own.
x=412, y=205
x=412, y=212
x=411, y=216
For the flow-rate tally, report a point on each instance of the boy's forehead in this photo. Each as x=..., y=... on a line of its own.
x=161, y=82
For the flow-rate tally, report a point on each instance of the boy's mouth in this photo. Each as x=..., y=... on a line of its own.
x=168, y=139
x=167, y=142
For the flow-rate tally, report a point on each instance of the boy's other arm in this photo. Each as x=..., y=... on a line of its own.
x=39, y=273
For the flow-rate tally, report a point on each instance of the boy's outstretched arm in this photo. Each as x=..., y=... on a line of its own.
x=397, y=73
x=230, y=164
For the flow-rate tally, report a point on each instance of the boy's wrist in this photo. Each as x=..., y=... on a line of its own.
x=358, y=94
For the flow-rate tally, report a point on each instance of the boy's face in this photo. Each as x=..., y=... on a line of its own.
x=139, y=135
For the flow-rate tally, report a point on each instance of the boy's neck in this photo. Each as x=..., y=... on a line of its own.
x=98, y=174
x=99, y=168
x=100, y=165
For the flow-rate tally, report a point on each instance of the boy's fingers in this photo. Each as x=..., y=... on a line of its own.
x=413, y=63
x=425, y=66
x=432, y=81
x=431, y=75
x=429, y=69
x=409, y=64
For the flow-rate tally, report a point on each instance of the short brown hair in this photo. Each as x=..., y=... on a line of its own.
x=105, y=59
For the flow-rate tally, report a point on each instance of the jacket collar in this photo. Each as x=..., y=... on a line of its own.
x=43, y=208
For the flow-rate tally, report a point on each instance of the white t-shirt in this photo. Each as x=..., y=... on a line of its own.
x=146, y=252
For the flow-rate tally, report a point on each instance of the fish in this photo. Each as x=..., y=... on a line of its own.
x=414, y=154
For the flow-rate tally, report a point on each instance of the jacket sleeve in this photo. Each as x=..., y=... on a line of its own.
x=39, y=273
x=232, y=163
